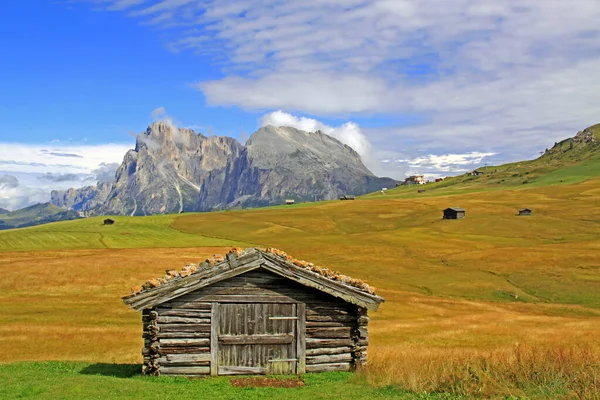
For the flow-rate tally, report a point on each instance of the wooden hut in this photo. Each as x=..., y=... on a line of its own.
x=109, y=221
x=289, y=201
x=253, y=312
x=454, y=213
x=525, y=211
x=347, y=197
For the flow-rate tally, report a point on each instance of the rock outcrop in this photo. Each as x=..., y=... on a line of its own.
x=83, y=199
x=173, y=170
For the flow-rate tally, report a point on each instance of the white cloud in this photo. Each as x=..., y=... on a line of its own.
x=349, y=133
x=41, y=168
x=506, y=76
x=438, y=165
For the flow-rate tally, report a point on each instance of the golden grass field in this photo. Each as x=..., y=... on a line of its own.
x=484, y=301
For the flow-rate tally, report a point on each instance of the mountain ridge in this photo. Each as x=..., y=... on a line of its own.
x=173, y=170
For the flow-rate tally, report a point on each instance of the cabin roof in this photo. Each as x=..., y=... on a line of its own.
x=525, y=209
x=454, y=209
x=237, y=262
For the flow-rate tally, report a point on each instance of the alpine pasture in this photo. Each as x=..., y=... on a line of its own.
x=491, y=305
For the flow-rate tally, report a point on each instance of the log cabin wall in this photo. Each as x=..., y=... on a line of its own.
x=182, y=336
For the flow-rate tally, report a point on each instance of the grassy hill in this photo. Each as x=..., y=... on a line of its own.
x=492, y=305
x=36, y=214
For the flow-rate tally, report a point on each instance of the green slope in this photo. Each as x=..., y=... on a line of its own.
x=570, y=161
x=90, y=233
x=35, y=215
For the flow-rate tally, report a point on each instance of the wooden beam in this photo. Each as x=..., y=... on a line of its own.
x=181, y=286
x=316, y=281
x=214, y=339
x=234, y=370
x=301, y=338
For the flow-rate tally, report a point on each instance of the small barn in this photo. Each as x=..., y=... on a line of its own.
x=347, y=197
x=289, y=201
x=253, y=311
x=454, y=213
x=525, y=211
x=109, y=221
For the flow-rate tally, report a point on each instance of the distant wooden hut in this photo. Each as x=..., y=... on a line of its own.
x=289, y=201
x=525, y=211
x=253, y=312
x=421, y=191
x=347, y=197
x=454, y=213
x=109, y=221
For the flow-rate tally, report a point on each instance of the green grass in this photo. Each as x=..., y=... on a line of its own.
x=90, y=233
x=70, y=380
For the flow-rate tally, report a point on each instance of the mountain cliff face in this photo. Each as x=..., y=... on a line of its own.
x=173, y=170
x=83, y=199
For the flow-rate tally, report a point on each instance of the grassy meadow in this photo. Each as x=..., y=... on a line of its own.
x=494, y=305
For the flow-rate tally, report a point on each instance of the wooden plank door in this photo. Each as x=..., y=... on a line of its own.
x=257, y=338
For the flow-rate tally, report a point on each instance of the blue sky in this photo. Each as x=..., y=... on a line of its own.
x=437, y=86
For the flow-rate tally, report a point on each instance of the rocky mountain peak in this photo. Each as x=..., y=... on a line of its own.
x=175, y=169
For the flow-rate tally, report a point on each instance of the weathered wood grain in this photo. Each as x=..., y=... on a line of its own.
x=181, y=342
x=234, y=370
x=257, y=339
x=184, y=313
x=326, y=343
x=329, y=359
x=301, y=338
x=188, y=359
x=182, y=320
x=183, y=335
x=214, y=339
x=188, y=371
x=328, y=332
x=329, y=350
x=163, y=351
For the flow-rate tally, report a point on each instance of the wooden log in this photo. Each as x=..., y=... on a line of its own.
x=322, y=310
x=328, y=333
x=328, y=367
x=326, y=343
x=182, y=320
x=233, y=370
x=331, y=318
x=256, y=339
x=180, y=342
x=313, y=324
x=184, y=358
x=190, y=371
x=187, y=305
x=191, y=313
x=329, y=359
x=328, y=350
x=363, y=333
x=183, y=350
x=184, y=328
x=183, y=335
x=363, y=320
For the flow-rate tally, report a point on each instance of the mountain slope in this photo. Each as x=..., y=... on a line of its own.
x=571, y=160
x=35, y=215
